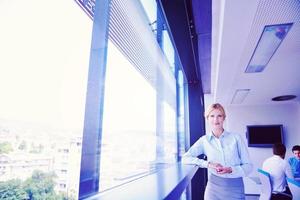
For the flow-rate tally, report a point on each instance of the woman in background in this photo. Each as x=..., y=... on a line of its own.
x=227, y=158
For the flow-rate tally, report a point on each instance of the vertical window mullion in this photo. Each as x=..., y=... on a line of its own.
x=90, y=158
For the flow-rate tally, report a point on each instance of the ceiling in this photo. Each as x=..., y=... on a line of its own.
x=236, y=29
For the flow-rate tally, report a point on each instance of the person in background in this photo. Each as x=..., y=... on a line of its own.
x=295, y=161
x=279, y=170
x=227, y=158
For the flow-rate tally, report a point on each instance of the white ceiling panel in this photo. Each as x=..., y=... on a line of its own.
x=237, y=29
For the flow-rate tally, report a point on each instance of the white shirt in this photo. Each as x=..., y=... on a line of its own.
x=278, y=169
x=229, y=150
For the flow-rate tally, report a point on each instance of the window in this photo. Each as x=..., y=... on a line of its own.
x=168, y=49
x=181, y=113
x=43, y=78
x=128, y=136
x=150, y=9
x=139, y=132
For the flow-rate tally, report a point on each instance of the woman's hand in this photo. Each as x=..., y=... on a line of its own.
x=219, y=168
x=224, y=170
x=216, y=166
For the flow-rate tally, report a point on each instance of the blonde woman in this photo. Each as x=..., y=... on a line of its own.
x=227, y=158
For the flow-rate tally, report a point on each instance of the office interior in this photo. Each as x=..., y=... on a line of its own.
x=103, y=97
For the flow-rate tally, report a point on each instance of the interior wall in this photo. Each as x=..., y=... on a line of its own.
x=287, y=114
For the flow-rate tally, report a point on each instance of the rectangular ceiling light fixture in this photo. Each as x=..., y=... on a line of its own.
x=239, y=96
x=269, y=41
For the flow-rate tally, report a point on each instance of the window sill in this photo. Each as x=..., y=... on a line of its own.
x=168, y=183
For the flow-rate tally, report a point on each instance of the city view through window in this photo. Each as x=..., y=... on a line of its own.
x=43, y=76
x=43, y=80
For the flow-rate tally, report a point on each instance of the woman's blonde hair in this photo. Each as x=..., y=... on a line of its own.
x=213, y=107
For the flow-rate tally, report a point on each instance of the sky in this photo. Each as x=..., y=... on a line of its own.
x=44, y=55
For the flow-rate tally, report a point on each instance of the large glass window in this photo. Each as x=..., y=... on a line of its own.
x=43, y=75
x=168, y=49
x=181, y=114
x=139, y=131
x=169, y=134
x=150, y=8
x=128, y=136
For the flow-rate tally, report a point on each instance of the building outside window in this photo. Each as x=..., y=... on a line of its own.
x=43, y=80
x=43, y=77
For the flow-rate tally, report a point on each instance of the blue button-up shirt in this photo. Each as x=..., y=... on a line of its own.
x=229, y=150
x=295, y=165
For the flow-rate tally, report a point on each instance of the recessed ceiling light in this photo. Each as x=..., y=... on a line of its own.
x=268, y=43
x=239, y=96
x=284, y=98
